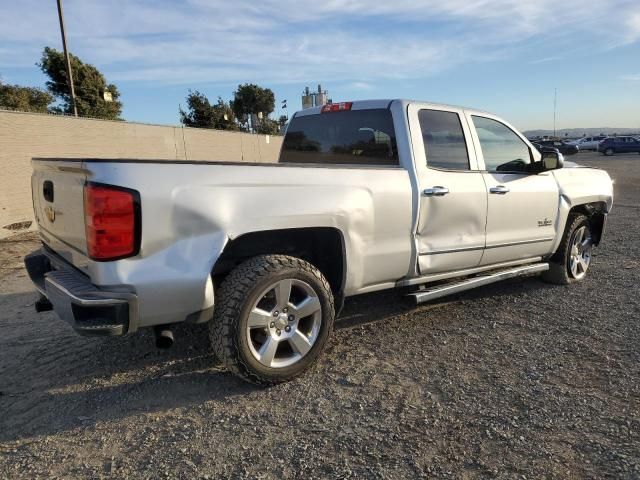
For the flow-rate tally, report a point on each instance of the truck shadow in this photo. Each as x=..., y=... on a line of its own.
x=53, y=381
x=378, y=306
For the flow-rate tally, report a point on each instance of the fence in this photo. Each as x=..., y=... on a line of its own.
x=27, y=135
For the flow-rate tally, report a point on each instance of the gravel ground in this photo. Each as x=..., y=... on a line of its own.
x=515, y=380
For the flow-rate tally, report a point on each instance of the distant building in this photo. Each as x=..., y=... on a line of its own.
x=315, y=99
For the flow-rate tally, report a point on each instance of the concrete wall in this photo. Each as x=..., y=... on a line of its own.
x=27, y=135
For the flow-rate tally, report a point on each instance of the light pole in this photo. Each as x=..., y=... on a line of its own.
x=66, y=58
x=555, y=103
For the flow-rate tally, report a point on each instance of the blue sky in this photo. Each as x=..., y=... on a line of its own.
x=504, y=56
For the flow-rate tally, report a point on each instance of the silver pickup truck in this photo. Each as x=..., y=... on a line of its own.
x=365, y=196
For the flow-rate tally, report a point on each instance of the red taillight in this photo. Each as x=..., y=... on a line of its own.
x=112, y=221
x=336, y=107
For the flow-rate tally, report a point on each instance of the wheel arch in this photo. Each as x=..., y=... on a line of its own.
x=596, y=212
x=323, y=247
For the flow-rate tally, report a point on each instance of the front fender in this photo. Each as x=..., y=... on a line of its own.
x=580, y=186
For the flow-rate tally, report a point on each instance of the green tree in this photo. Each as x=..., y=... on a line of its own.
x=251, y=99
x=201, y=113
x=267, y=126
x=90, y=86
x=25, y=99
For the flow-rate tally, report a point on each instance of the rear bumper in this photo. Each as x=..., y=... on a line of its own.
x=91, y=310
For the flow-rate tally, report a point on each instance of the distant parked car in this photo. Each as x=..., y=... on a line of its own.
x=611, y=145
x=563, y=147
x=588, y=143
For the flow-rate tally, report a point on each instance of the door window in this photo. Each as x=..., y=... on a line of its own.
x=444, y=142
x=502, y=149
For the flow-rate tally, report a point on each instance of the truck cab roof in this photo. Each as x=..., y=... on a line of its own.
x=384, y=103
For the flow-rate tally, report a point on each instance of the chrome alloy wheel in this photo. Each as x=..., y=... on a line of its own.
x=284, y=323
x=580, y=255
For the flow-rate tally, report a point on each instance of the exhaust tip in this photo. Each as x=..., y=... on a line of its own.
x=164, y=337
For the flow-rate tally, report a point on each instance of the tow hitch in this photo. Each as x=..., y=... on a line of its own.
x=43, y=304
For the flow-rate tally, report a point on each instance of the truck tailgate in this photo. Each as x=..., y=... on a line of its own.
x=57, y=190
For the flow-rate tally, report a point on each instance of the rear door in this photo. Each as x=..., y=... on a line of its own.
x=453, y=200
x=522, y=207
x=57, y=189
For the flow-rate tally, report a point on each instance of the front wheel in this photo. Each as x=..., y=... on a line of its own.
x=272, y=319
x=608, y=152
x=572, y=259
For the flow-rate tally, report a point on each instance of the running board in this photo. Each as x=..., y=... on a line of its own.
x=422, y=296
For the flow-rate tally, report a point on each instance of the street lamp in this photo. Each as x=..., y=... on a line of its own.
x=66, y=58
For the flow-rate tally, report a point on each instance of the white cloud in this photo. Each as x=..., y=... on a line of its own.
x=631, y=77
x=633, y=27
x=283, y=41
x=545, y=60
x=360, y=86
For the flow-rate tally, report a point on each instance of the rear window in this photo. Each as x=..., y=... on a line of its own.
x=356, y=137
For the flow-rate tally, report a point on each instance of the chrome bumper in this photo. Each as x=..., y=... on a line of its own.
x=89, y=309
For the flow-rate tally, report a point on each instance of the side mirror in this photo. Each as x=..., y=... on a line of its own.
x=552, y=160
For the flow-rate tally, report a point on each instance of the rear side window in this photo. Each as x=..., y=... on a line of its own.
x=355, y=137
x=443, y=138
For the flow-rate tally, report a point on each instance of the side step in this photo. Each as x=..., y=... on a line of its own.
x=422, y=296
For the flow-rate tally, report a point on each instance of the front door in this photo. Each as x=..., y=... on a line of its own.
x=522, y=209
x=453, y=199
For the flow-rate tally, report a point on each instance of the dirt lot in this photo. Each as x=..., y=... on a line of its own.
x=515, y=380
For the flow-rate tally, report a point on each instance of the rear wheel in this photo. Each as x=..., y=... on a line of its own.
x=572, y=259
x=273, y=317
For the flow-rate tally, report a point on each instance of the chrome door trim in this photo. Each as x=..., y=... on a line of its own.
x=453, y=250
x=522, y=242
x=482, y=247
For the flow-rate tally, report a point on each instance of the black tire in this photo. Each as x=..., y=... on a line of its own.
x=235, y=299
x=609, y=151
x=559, y=272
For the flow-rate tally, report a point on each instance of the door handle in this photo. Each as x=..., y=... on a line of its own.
x=499, y=190
x=436, y=191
